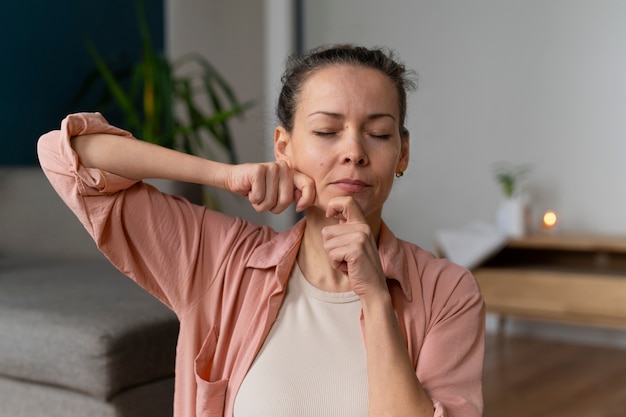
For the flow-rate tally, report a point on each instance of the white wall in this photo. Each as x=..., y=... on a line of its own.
x=539, y=82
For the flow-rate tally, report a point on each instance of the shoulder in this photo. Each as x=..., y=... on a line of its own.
x=437, y=279
x=433, y=267
x=408, y=261
x=447, y=292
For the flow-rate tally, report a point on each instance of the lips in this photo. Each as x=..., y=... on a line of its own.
x=350, y=185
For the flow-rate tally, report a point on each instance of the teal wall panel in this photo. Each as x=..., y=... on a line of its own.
x=44, y=60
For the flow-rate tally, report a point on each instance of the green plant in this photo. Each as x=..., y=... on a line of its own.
x=183, y=104
x=510, y=176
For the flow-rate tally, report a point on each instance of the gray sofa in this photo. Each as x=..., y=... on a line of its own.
x=77, y=338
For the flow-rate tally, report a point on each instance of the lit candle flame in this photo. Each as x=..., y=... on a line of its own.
x=549, y=219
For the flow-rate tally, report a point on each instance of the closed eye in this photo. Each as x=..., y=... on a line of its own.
x=381, y=136
x=324, y=134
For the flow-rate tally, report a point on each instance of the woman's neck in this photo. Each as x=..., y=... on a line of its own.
x=313, y=259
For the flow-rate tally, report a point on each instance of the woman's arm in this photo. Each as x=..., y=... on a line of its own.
x=91, y=165
x=394, y=389
x=137, y=159
x=268, y=186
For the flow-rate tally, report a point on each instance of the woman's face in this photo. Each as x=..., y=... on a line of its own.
x=346, y=136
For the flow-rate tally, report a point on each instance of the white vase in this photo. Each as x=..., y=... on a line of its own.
x=512, y=216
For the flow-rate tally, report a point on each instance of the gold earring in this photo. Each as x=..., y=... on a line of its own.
x=399, y=174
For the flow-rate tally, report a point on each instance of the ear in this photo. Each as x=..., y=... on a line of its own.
x=282, y=139
x=403, y=161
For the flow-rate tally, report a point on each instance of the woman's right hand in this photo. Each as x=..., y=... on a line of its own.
x=271, y=186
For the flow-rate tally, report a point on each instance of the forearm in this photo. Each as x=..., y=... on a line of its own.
x=394, y=389
x=137, y=159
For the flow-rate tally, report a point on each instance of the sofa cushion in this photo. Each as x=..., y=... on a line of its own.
x=82, y=325
x=27, y=399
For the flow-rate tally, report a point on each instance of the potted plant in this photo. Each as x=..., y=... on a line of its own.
x=513, y=212
x=183, y=104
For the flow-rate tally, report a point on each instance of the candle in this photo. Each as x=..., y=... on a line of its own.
x=549, y=221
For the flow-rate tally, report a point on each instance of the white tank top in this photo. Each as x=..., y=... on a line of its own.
x=313, y=361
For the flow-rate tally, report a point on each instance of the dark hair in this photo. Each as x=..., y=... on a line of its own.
x=300, y=67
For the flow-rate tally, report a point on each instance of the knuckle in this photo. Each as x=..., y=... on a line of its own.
x=285, y=198
x=261, y=206
x=254, y=198
x=362, y=237
x=273, y=168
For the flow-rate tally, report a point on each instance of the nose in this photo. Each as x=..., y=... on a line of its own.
x=357, y=160
x=354, y=151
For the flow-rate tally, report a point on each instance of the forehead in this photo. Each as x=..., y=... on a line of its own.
x=344, y=88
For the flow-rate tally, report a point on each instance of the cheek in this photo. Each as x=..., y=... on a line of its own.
x=387, y=183
x=310, y=164
x=387, y=175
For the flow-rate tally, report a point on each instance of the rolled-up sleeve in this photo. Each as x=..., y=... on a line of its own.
x=170, y=247
x=63, y=169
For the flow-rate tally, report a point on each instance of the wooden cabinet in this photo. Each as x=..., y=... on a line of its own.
x=565, y=278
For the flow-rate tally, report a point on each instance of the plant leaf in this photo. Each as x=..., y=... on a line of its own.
x=114, y=86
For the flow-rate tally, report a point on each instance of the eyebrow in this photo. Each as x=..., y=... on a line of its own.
x=340, y=116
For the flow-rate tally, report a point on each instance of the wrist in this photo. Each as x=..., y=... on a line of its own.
x=204, y=171
x=375, y=302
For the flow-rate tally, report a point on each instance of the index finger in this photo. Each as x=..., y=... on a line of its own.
x=345, y=209
x=304, y=191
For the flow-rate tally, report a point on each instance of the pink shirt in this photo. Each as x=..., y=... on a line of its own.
x=225, y=278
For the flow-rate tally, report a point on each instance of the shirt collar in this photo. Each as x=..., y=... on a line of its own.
x=393, y=259
x=282, y=249
x=279, y=252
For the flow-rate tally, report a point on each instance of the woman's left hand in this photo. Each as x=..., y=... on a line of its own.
x=352, y=248
x=394, y=388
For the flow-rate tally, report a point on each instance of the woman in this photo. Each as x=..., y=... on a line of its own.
x=334, y=317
